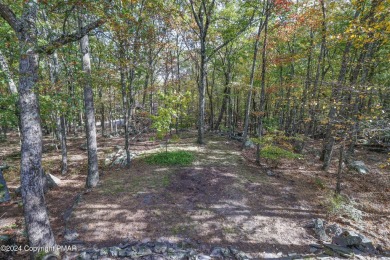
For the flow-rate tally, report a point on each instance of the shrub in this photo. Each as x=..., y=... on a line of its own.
x=275, y=153
x=171, y=158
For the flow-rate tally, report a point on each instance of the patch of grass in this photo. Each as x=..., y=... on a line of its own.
x=343, y=206
x=113, y=187
x=171, y=158
x=319, y=183
x=228, y=230
x=175, y=138
x=165, y=180
x=275, y=153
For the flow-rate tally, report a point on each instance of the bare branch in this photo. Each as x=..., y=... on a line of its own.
x=67, y=38
x=229, y=40
x=9, y=16
x=195, y=15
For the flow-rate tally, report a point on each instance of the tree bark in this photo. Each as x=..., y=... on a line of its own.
x=263, y=72
x=251, y=81
x=8, y=74
x=326, y=155
x=202, y=89
x=36, y=217
x=61, y=131
x=93, y=171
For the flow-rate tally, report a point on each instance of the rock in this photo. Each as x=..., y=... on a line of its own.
x=319, y=229
x=84, y=256
x=52, y=181
x=146, y=240
x=220, y=252
x=309, y=224
x=239, y=255
x=347, y=238
x=4, y=239
x=18, y=191
x=313, y=249
x=333, y=230
x=249, y=144
x=359, y=166
x=201, y=257
x=216, y=252
x=118, y=158
x=113, y=251
x=270, y=173
x=122, y=253
x=49, y=181
x=179, y=255
x=83, y=146
x=70, y=235
x=317, y=246
x=366, y=245
x=4, y=167
x=160, y=248
x=343, y=251
x=144, y=251
x=103, y=252
x=4, y=192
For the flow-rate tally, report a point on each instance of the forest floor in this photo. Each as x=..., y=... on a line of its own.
x=222, y=199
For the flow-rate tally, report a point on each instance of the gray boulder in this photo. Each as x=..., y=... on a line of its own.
x=340, y=250
x=270, y=173
x=49, y=182
x=249, y=144
x=70, y=235
x=118, y=158
x=333, y=230
x=347, y=238
x=359, y=166
x=319, y=229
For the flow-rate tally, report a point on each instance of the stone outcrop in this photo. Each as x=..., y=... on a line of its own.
x=344, y=243
x=160, y=250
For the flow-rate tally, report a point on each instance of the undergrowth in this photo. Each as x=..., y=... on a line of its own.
x=171, y=158
x=340, y=205
x=273, y=152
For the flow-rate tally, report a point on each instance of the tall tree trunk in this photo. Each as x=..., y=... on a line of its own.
x=36, y=217
x=93, y=171
x=64, y=152
x=202, y=90
x=302, y=127
x=251, y=81
x=61, y=131
x=320, y=64
x=328, y=143
x=211, y=98
x=12, y=88
x=125, y=104
x=263, y=71
x=340, y=167
x=8, y=74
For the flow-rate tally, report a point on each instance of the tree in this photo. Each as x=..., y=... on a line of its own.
x=93, y=171
x=35, y=213
x=203, y=14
